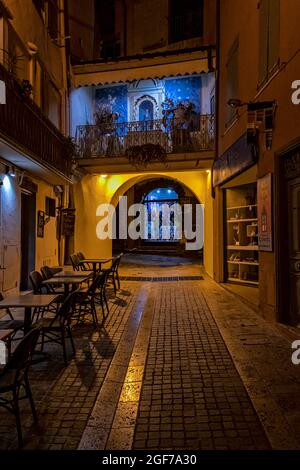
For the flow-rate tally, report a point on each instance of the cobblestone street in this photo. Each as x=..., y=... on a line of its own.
x=179, y=364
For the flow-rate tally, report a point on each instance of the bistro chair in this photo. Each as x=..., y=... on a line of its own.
x=47, y=273
x=58, y=329
x=41, y=289
x=10, y=324
x=95, y=294
x=81, y=257
x=113, y=275
x=75, y=262
x=14, y=378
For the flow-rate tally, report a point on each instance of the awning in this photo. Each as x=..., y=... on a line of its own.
x=238, y=158
x=145, y=67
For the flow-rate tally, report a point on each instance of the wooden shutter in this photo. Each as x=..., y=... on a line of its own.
x=232, y=79
x=263, y=40
x=274, y=30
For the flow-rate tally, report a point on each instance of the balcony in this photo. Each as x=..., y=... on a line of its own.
x=111, y=147
x=172, y=139
x=27, y=137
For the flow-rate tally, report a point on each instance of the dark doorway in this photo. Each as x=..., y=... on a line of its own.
x=28, y=229
x=288, y=247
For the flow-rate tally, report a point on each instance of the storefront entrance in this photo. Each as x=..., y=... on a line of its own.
x=289, y=238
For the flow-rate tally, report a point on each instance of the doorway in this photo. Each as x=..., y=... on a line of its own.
x=294, y=250
x=28, y=230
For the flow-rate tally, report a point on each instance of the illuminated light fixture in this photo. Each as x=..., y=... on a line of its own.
x=235, y=103
x=208, y=172
x=11, y=171
x=6, y=183
x=104, y=176
x=158, y=191
x=169, y=191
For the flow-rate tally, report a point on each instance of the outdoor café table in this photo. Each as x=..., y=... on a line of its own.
x=73, y=274
x=72, y=280
x=94, y=262
x=28, y=302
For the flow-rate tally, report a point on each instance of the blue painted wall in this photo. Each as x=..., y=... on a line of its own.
x=184, y=89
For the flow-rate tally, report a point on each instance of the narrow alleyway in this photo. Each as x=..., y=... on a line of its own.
x=179, y=364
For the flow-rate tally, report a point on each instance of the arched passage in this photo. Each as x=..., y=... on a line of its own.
x=169, y=218
x=97, y=189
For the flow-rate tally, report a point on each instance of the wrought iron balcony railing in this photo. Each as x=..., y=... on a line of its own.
x=23, y=124
x=114, y=139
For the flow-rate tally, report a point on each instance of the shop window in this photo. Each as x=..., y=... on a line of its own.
x=269, y=30
x=232, y=80
x=241, y=252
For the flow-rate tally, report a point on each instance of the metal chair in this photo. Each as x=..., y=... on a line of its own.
x=95, y=294
x=14, y=377
x=114, y=272
x=75, y=262
x=58, y=329
x=39, y=288
x=47, y=273
x=11, y=324
x=86, y=266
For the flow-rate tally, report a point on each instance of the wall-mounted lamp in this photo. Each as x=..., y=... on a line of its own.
x=235, y=103
x=252, y=105
x=11, y=171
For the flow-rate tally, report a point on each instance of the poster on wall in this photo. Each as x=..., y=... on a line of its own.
x=40, y=224
x=264, y=213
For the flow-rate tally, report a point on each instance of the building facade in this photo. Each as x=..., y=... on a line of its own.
x=35, y=157
x=142, y=111
x=256, y=174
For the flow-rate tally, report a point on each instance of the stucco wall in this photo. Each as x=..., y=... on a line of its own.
x=46, y=247
x=10, y=234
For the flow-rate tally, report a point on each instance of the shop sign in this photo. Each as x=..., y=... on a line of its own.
x=239, y=157
x=68, y=222
x=264, y=213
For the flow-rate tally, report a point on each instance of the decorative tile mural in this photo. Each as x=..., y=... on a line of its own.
x=184, y=90
x=112, y=100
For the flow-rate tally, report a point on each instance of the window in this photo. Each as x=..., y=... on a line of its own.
x=269, y=28
x=162, y=227
x=40, y=6
x=52, y=18
x=186, y=20
x=232, y=80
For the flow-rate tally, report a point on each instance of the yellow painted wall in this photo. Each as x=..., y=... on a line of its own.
x=94, y=190
x=46, y=248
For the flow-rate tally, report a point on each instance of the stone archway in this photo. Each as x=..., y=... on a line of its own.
x=164, y=233
x=95, y=189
